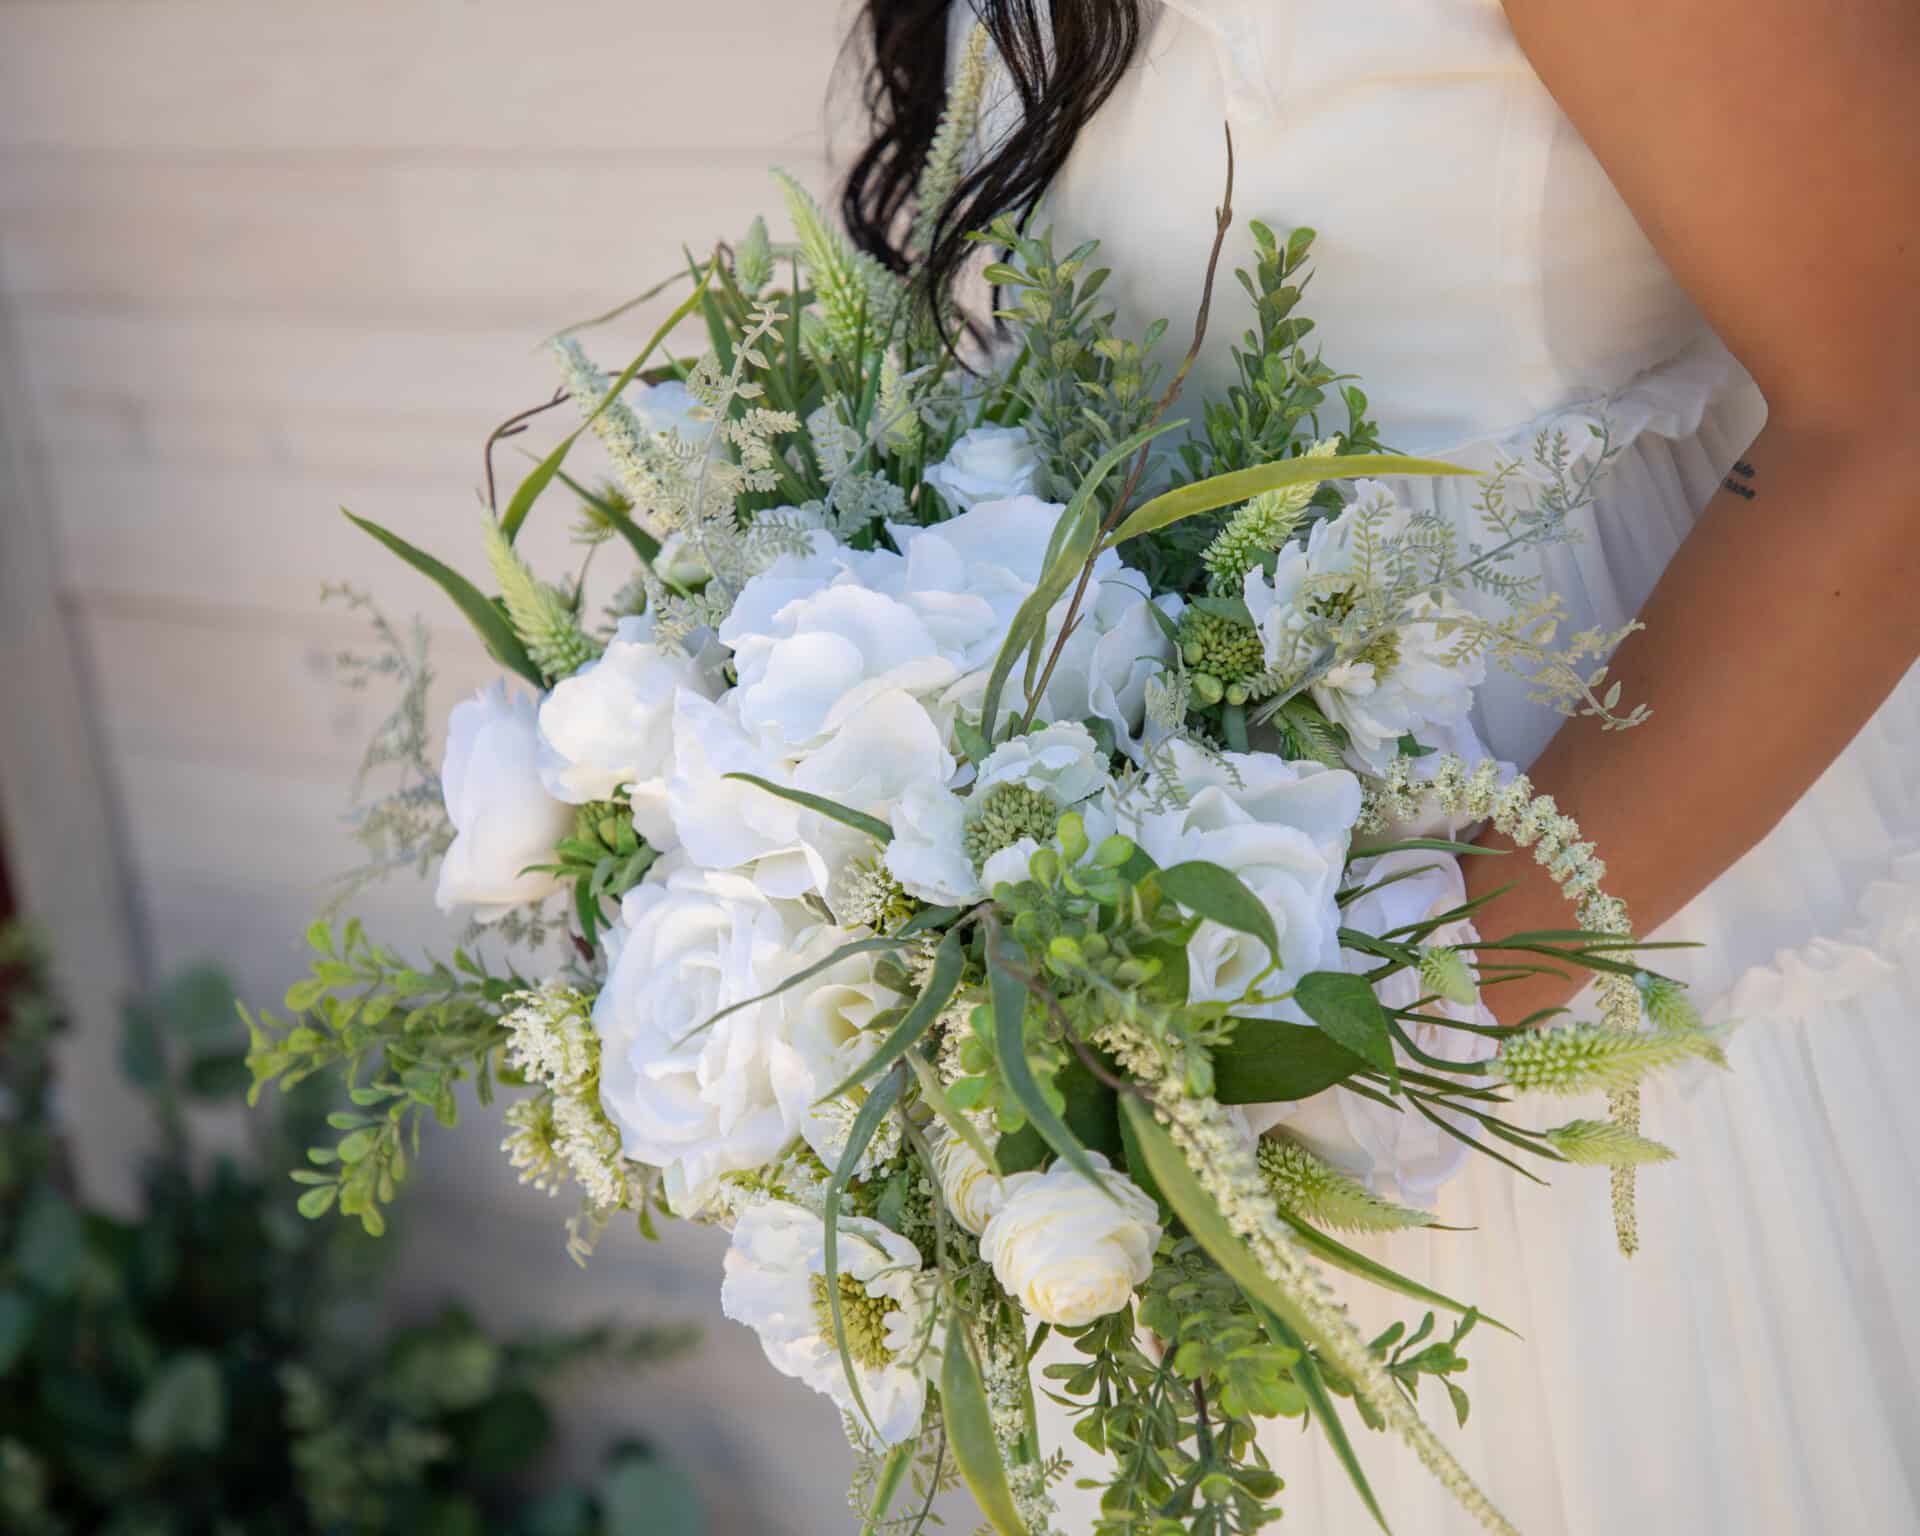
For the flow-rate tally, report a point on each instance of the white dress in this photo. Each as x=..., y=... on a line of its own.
x=1757, y=1367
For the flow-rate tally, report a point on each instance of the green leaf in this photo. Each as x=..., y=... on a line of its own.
x=844, y=952
x=1344, y=1006
x=1092, y=1113
x=969, y=1422
x=50, y=1241
x=1244, y=484
x=893, y=1472
x=1209, y=891
x=1067, y=552
x=873, y=826
x=1353, y=1262
x=1306, y=1373
x=948, y=960
x=1009, y=994
x=184, y=1407
x=537, y=481
x=1269, y=1062
x=495, y=631
x=885, y=1093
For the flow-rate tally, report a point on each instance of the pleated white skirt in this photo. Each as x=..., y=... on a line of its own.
x=1756, y=1367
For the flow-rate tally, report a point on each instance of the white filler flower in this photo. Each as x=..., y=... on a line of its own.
x=986, y=464
x=1282, y=827
x=776, y=1284
x=1070, y=1250
x=503, y=818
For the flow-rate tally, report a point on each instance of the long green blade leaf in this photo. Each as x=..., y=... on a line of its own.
x=963, y=1405
x=948, y=960
x=1009, y=995
x=1244, y=484
x=494, y=629
x=936, y=1098
x=1307, y=1373
x=858, y=1137
x=860, y=821
x=893, y=1472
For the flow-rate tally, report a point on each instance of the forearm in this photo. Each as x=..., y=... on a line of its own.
x=1784, y=620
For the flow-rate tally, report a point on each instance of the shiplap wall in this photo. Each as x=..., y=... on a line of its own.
x=259, y=259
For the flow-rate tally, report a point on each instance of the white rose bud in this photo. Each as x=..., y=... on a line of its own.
x=986, y=464
x=1069, y=1249
x=503, y=818
x=973, y=1192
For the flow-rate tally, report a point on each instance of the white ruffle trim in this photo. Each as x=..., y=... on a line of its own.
x=1803, y=982
x=1669, y=399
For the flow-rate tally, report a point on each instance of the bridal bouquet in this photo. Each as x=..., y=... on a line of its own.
x=980, y=816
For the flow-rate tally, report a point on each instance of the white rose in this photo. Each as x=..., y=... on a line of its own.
x=986, y=464
x=776, y=1284
x=948, y=848
x=1387, y=1149
x=503, y=818
x=696, y=1101
x=971, y=1190
x=1071, y=1250
x=821, y=656
x=611, y=724
x=1283, y=828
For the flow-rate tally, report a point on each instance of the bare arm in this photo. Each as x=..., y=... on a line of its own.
x=1771, y=151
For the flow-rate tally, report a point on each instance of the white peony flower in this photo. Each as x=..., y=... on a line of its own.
x=503, y=818
x=1282, y=827
x=697, y=1102
x=986, y=464
x=1406, y=681
x=610, y=725
x=950, y=849
x=1071, y=1250
x=776, y=1284
x=971, y=1190
x=1387, y=1150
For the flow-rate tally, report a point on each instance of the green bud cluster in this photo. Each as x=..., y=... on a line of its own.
x=1587, y=1056
x=1322, y=1194
x=1445, y=974
x=1224, y=656
x=541, y=617
x=1003, y=816
x=1601, y=1141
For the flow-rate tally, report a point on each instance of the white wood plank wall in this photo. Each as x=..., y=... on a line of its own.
x=260, y=258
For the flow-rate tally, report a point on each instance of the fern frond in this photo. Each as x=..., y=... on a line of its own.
x=947, y=156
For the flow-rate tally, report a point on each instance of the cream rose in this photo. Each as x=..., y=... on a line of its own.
x=973, y=1192
x=1069, y=1249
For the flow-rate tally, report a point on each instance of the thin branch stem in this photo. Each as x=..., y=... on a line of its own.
x=513, y=426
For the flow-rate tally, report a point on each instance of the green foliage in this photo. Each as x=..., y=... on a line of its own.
x=404, y=1038
x=602, y=860
x=1407, y=1361
x=214, y=1364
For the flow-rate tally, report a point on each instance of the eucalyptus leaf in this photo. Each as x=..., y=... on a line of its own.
x=1244, y=484
x=1211, y=892
x=969, y=1422
x=1344, y=1006
x=1269, y=1062
x=948, y=961
x=883, y=1097
x=844, y=952
x=1306, y=1373
x=1009, y=994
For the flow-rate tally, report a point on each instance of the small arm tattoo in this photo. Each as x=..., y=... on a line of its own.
x=1740, y=481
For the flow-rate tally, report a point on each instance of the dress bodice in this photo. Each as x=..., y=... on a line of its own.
x=1475, y=266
